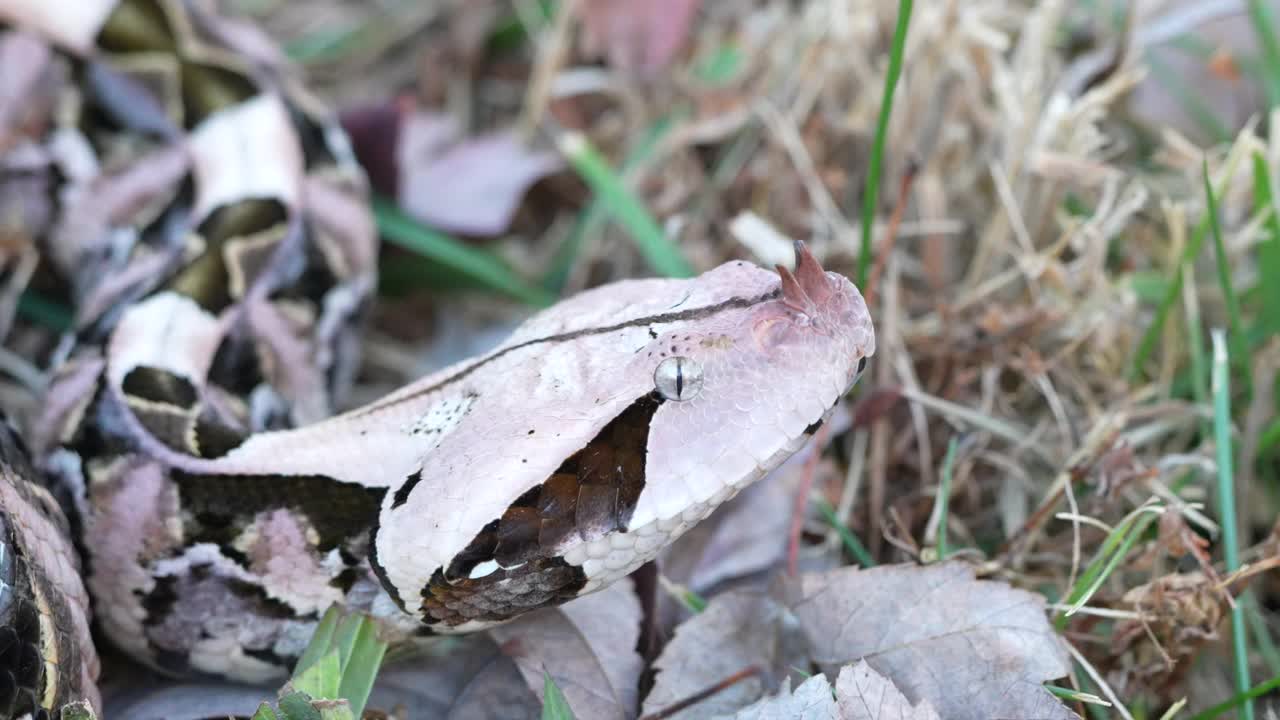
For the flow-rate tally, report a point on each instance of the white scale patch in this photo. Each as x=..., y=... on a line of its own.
x=441, y=418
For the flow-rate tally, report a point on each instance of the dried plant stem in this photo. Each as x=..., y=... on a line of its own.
x=694, y=699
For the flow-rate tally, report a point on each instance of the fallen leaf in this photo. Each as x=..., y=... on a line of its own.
x=465, y=679
x=975, y=649
x=811, y=701
x=25, y=60
x=588, y=648
x=864, y=694
x=737, y=629
x=640, y=36
x=472, y=186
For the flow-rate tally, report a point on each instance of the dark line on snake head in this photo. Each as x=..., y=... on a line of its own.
x=668, y=317
x=402, y=493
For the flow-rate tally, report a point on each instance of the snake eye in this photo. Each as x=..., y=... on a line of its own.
x=678, y=378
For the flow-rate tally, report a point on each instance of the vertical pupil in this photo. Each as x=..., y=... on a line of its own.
x=679, y=377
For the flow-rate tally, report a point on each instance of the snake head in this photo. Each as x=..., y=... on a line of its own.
x=601, y=430
x=767, y=375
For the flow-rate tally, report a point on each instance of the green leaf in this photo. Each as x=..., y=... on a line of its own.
x=265, y=713
x=341, y=661
x=478, y=265
x=320, y=639
x=322, y=679
x=79, y=710
x=297, y=706
x=361, y=667
x=554, y=704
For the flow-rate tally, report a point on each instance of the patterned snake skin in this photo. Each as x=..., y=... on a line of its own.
x=201, y=195
x=207, y=224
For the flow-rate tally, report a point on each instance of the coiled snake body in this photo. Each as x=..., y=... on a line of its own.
x=219, y=274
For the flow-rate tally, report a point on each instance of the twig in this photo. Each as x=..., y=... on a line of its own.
x=891, y=233
x=672, y=709
x=807, y=472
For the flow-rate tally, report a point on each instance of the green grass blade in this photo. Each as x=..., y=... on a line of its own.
x=944, y=496
x=1270, y=438
x=1239, y=699
x=1264, y=25
x=851, y=541
x=322, y=678
x=1227, y=501
x=596, y=212
x=1147, y=344
x=362, y=664
x=297, y=706
x=554, y=704
x=658, y=250
x=1238, y=347
x=1253, y=614
x=478, y=265
x=1071, y=695
x=265, y=713
x=1264, y=200
x=872, y=192
x=1114, y=549
x=320, y=639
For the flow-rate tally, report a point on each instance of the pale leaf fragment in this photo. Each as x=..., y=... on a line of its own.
x=811, y=701
x=638, y=36
x=468, y=679
x=975, y=649
x=737, y=629
x=588, y=648
x=472, y=186
x=864, y=694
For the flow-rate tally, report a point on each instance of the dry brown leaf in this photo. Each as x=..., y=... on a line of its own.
x=811, y=701
x=470, y=679
x=471, y=185
x=1182, y=612
x=736, y=630
x=974, y=649
x=588, y=648
x=641, y=36
x=864, y=694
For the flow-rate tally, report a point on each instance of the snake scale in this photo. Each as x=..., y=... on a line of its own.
x=208, y=225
